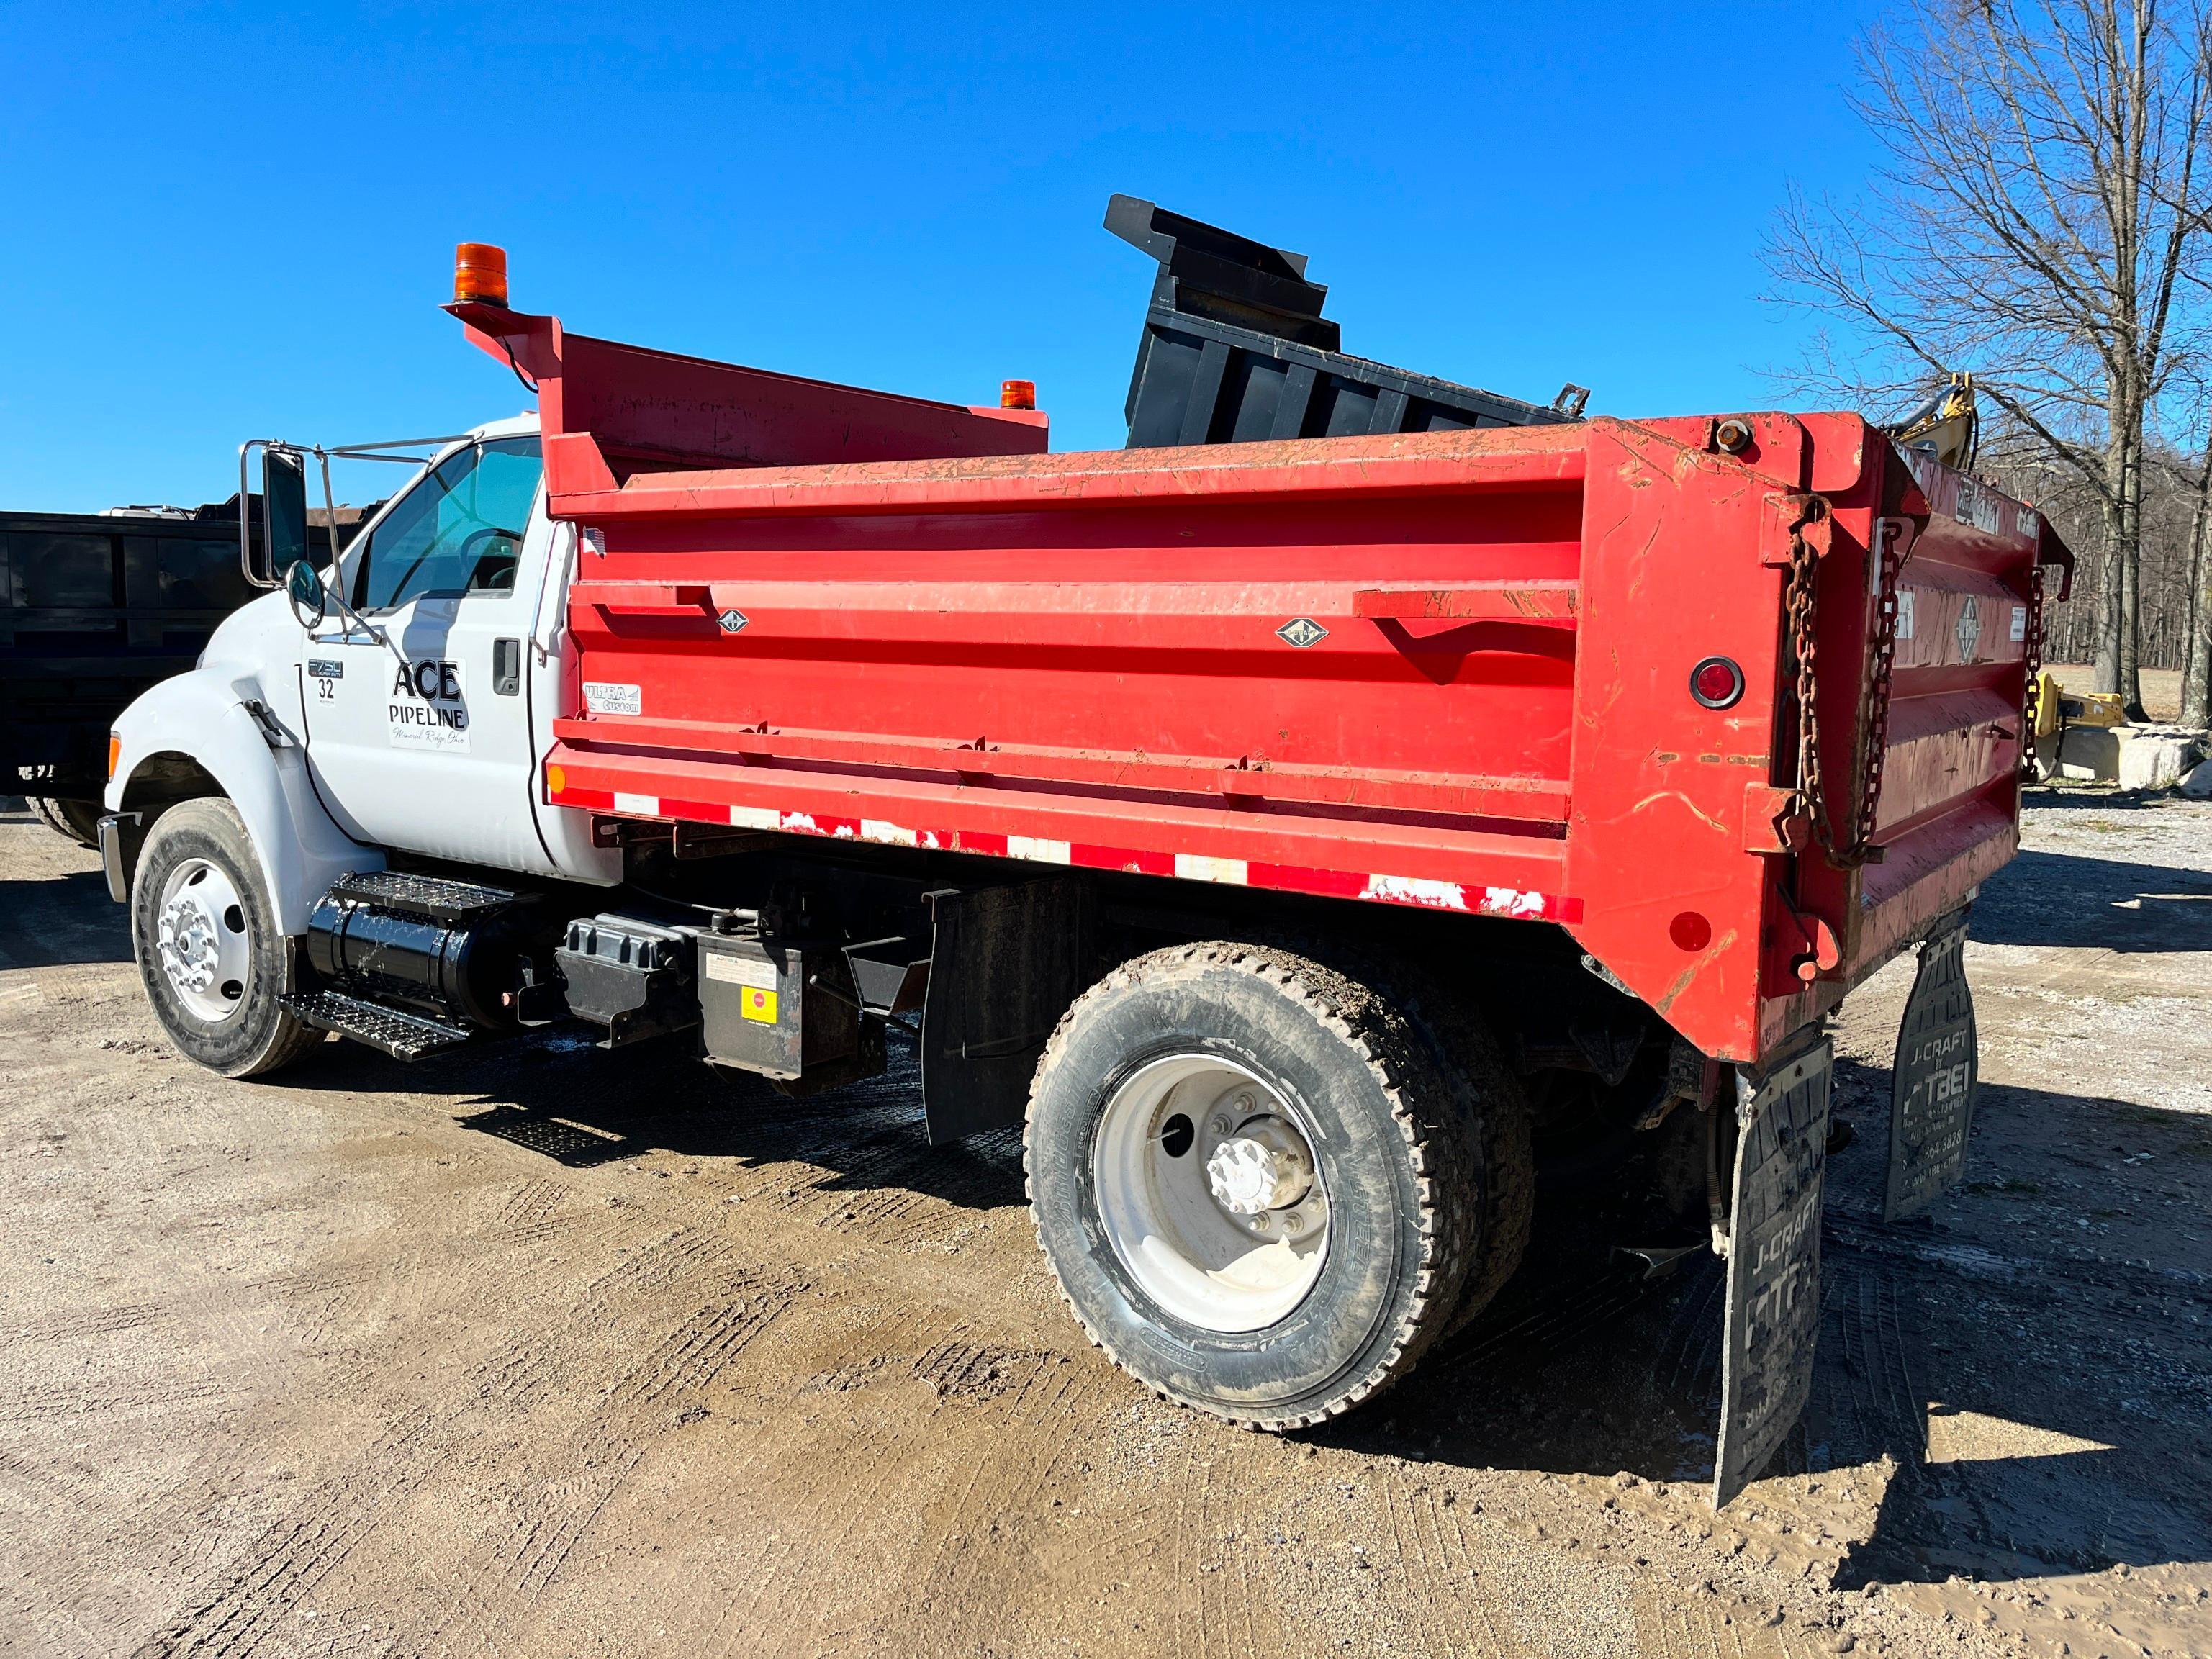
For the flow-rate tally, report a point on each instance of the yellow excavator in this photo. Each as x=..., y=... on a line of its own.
x=1947, y=426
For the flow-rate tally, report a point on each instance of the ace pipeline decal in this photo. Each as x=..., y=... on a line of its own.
x=426, y=709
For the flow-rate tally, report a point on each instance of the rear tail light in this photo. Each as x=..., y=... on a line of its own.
x=1716, y=682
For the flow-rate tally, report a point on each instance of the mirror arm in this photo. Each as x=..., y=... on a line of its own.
x=354, y=619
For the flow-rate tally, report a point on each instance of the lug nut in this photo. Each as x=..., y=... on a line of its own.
x=1219, y=1124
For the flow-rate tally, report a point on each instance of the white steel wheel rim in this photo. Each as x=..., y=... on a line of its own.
x=1229, y=1233
x=201, y=937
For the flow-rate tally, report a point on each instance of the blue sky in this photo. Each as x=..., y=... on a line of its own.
x=226, y=222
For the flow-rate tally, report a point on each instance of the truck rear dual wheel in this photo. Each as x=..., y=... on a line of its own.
x=79, y=820
x=207, y=943
x=1258, y=1188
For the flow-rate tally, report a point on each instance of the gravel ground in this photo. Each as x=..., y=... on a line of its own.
x=525, y=1351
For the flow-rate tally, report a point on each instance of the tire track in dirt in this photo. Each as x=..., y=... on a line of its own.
x=108, y=1401
x=984, y=1515
x=1245, y=1622
x=1421, y=1553
x=1693, y=1630
x=790, y=1587
x=802, y=1574
x=530, y=1203
x=77, y=1324
x=1474, y=1601
x=1865, y=1404
x=500, y=1584
x=293, y=1555
x=784, y=1573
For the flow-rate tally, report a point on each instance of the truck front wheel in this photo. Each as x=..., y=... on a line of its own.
x=207, y=943
x=1258, y=1194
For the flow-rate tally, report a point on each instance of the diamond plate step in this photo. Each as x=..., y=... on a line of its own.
x=441, y=900
x=402, y=1036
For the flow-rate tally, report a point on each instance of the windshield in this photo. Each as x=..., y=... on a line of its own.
x=458, y=531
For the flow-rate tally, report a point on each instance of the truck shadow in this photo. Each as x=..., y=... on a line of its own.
x=58, y=920
x=55, y=919
x=2133, y=908
x=557, y=1093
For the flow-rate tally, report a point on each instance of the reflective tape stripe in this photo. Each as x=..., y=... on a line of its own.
x=1197, y=867
x=1419, y=891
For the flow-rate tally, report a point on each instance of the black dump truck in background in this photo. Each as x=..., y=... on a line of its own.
x=1236, y=351
x=94, y=608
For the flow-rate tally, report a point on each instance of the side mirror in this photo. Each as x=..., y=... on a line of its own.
x=283, y=509
x=303, y=586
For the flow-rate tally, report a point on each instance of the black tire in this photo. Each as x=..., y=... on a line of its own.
x=1390, y=1145
x=78, y=820
x=1495, y=1118
x=257, y=1035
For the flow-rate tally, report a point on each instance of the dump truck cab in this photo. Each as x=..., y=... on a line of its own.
x=418, y=695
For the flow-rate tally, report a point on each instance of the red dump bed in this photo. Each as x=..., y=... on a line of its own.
x=1451, y=669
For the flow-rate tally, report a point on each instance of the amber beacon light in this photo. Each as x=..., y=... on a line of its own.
x=1017, y=394
x=479, y=273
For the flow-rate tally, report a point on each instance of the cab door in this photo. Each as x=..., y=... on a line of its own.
x=418, y=727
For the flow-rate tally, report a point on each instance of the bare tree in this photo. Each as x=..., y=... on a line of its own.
x=2197, y=658
x=2043, y=195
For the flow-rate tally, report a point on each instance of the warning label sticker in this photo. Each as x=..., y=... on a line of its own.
x=739, y=970
x=757, y=980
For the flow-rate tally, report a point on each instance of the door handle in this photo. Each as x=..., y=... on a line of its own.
x=506, y=667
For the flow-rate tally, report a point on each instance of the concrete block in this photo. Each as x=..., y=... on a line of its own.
x=2154, y=761
x=2089, y=754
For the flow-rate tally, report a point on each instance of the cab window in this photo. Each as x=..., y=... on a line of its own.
x=459, y=531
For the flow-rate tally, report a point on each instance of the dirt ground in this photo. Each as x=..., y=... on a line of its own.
x=525, y=1351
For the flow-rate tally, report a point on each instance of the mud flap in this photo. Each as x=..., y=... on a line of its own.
x=1773, y=1318
x=1004, y=963
x=1931, y=1105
